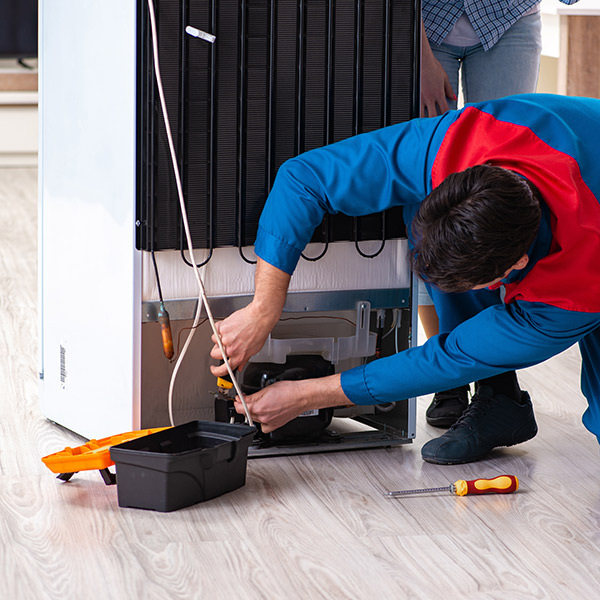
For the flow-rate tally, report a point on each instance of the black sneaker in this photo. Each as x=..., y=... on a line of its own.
x=489, y=421
x=446, y=407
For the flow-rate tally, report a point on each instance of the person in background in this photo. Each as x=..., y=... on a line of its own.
x=494, y=48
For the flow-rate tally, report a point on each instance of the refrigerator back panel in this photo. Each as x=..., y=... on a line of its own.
x=281, y=78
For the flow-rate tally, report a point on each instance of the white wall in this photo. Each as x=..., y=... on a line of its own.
x=18, y=115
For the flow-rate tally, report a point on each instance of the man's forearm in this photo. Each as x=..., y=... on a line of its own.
x=271, y=285
x=282, y=401
x=244, y=332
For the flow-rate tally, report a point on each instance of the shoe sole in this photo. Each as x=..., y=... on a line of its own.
x=435, y=461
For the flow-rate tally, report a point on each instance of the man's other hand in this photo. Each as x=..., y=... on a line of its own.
x=279, y=403
x=435, y=85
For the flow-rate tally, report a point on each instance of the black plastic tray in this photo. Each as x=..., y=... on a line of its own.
x=182, y=466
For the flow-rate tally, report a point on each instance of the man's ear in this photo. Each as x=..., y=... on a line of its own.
x=522, y=262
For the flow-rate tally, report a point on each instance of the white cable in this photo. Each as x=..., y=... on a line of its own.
x=202, y=300
x=395, y=313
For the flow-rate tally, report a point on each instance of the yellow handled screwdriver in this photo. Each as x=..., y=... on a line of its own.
x=503, y=484
x=224, y=382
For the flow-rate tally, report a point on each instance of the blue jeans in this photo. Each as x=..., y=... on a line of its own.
x=510, y=67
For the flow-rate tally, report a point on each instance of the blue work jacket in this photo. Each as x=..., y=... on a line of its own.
x=550, y=305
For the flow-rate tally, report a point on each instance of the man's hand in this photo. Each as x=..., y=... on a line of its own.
x=244, y=332
x=280, y=402
x=435, y=85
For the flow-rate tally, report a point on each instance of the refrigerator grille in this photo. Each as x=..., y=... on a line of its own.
x=283, y=77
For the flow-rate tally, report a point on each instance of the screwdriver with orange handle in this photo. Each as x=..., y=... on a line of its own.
x=503, y=484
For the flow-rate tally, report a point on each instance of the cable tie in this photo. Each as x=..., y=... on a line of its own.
x=208, y=37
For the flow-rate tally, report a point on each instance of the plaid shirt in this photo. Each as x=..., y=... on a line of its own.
x=489, y=18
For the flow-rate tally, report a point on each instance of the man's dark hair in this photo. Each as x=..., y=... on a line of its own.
x=473, y=227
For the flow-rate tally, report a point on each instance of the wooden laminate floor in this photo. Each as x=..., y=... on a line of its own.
x=314, y=526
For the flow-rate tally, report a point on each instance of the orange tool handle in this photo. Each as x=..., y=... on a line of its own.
x=503, y=484
x=167, y=336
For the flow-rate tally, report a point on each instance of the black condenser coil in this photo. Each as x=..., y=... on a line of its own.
x=282, y=77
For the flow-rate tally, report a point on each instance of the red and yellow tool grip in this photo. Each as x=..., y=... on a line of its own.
x=503, y=484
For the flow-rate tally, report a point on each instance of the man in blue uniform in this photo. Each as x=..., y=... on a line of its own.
x=501, y=194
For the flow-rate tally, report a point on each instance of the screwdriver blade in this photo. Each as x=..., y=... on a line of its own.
x=421, y=491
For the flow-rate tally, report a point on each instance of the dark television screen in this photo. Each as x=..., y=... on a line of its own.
x=18, y=28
